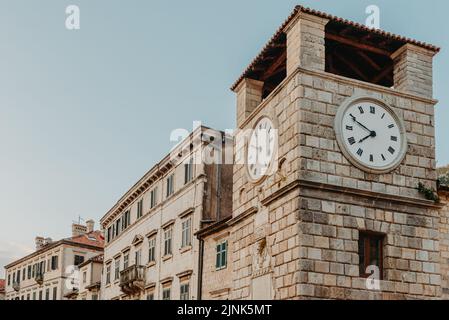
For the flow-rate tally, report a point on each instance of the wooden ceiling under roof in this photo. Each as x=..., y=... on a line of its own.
x=271, y=67
x=360, y=54
x=353, y=50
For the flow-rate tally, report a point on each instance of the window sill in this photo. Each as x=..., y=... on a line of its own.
x=167, y=257
x=221, y=268
x=151, y=264
x=185, y=249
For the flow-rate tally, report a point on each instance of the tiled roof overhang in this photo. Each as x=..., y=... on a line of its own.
x=298, y=9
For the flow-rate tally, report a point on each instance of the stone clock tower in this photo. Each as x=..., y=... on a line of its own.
x=336, y=132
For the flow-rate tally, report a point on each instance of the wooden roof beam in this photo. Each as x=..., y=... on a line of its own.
x=382, y=75
x=352, y=66
x=276, y=64
x=357, y=44
x=370, y=61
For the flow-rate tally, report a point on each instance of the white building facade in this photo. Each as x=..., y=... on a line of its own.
x=50, y=272
x=150, y=251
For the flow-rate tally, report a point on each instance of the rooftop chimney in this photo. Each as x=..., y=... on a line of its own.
x=78, y=229
x=39, y=242
x=90, y=224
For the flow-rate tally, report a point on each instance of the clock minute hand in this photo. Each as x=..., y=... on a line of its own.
x=355, y=120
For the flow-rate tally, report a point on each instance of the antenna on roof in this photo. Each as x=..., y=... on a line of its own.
x=79, y=220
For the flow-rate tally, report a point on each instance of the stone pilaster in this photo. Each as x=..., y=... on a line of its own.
x=306, y=43
x=413, y=70
x=249, y=96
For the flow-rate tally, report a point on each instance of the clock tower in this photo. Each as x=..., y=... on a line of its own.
x=335, y=134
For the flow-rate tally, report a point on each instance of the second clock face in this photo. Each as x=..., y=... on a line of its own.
x=261, y=148
x=372, y=135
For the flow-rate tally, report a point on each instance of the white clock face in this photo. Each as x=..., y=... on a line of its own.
x=371, y=135
x=261, y=148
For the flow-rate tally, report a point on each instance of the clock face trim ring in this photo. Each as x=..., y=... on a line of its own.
x=269, y=167
x=362, y=120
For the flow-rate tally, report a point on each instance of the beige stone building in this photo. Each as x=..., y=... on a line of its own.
x=50, y=272
x=150, y=251
x=89, y=282
x=333, y=209
x=2, y=289
x=443, y=192
x=216, y=276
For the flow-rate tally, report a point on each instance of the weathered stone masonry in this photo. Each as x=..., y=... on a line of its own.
x=309, y=214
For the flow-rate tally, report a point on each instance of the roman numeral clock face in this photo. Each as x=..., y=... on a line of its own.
x=371, y=135
x=261, y=149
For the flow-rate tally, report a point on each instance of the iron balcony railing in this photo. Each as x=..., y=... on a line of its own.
x=16, y=285
x=132, y=279
x=39, y=277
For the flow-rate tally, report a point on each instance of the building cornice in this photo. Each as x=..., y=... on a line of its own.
x=213, y=228
x=51, y=247
x=198, y=179
x=153, y=175
x=244, y=215
x=322, y=187
x=401, y=200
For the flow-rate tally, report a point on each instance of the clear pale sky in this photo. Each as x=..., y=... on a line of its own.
x=84, y=114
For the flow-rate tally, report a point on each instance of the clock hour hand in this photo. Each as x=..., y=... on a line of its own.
x=372, y=134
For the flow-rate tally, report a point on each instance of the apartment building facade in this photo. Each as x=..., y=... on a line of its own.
x=90, y=272
x=50, y=272
x=443, y=193
x=150, y=250
x=334, y=210
x=2, y=289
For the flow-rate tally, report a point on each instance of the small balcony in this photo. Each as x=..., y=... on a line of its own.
x=132, y=279
x=16, y=285
x=39, y=278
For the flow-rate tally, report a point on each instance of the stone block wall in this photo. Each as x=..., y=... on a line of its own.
x=330, y=229
x=305, y=43
x=330, y=225
x=216, y=283
x=274, y=203
x=283, y=251
x=444, y=244
x=323, y=162
x=312, y=209
x=413, y=70
x=249, y=96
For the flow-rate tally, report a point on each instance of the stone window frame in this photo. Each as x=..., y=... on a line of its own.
x=168, y=240
x=117, y=262
x=108, y=273
x=138, y=256
x=166, y=293
x=152, y=248
x=186, y=231
x=126, y=259
x=140, y=208
x=184, y=290
x=170, y=185
x=188, y=170
x=219, y=264
x=371, y=236
x=153, y=197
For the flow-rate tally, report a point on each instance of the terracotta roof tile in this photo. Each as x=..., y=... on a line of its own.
x=94, y=238
x=356, y=25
